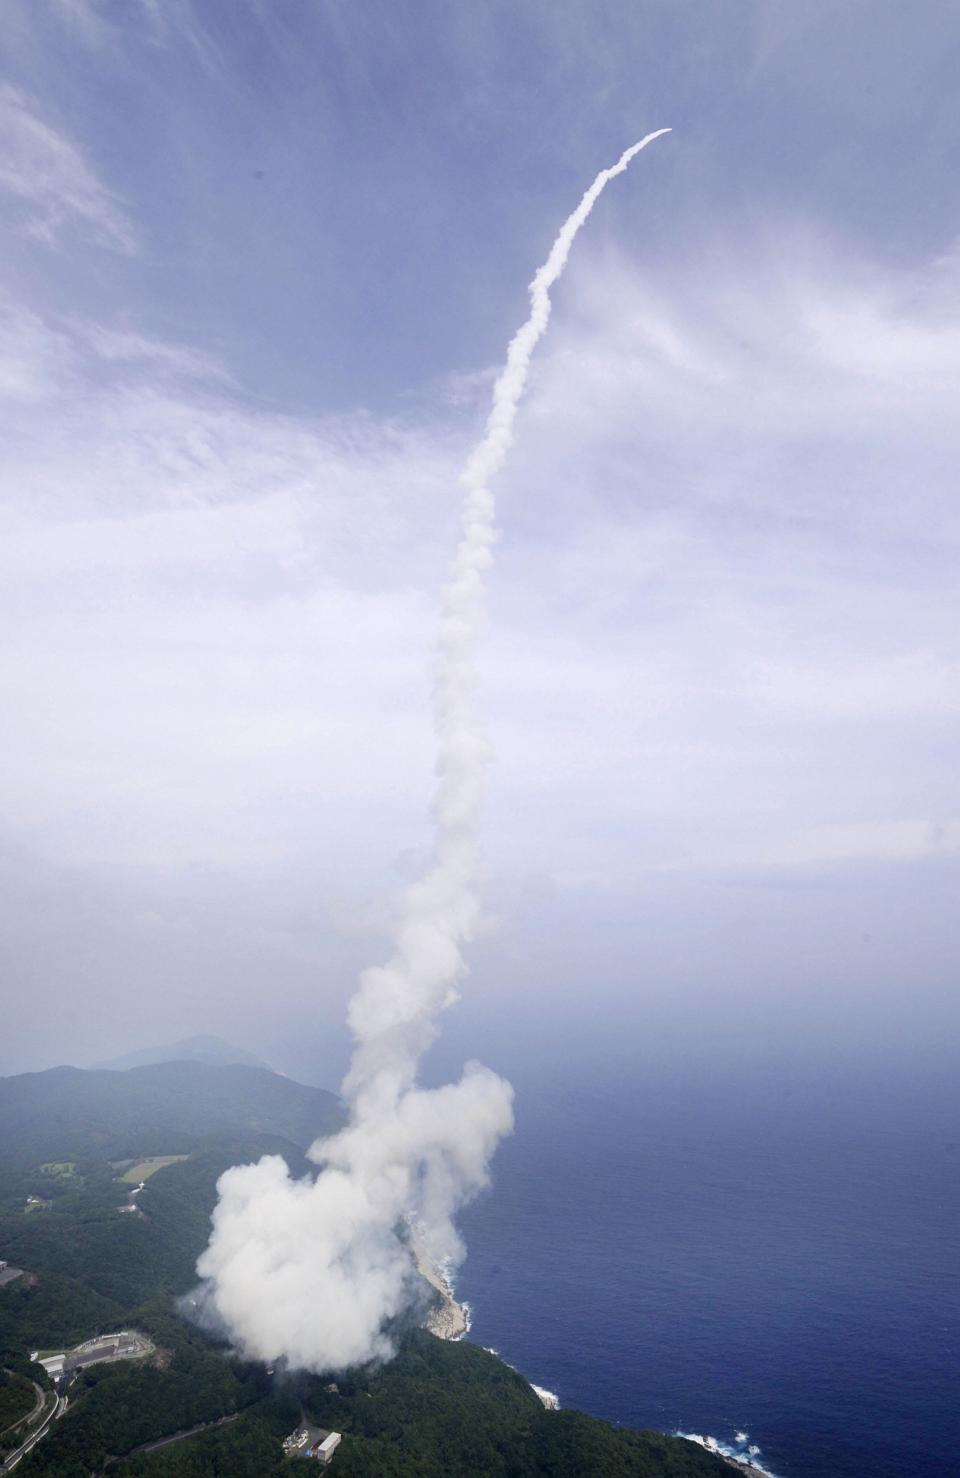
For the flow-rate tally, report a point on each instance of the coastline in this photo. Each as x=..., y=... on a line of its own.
x=450, y=1319
x=743, y=1458
x=447, y=1319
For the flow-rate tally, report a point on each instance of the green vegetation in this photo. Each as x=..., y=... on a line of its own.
x=116, y=1407
x=17, y=1398
x=90, y=1269
x=436, y=1411
x=441, y=1409
x=145, y=1168
x=250, y=1447
x=65, y=1169
x=69, y=1115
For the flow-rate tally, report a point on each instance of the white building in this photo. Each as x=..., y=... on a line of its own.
x=312, y=1442
x=325, y=1450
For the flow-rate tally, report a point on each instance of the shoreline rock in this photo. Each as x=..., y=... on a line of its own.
x=447, y=1319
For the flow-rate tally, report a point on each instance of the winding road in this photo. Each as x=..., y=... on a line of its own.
x=220, y=1421
x=30, y=1416
x=56, y=1411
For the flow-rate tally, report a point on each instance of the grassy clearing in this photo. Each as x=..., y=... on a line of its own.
x=143, y=1169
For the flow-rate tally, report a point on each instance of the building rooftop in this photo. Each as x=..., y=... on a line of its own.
x=312, y=1442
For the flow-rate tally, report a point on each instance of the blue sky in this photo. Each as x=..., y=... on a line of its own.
x=260, y=261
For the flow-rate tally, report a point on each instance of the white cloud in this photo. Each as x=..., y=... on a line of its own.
x=742, y=572
x=126, y=347
x=723, y=619
x=722, y=642
x=34, y=358
x=909, y=840
x=53, y=185
x=216, y=621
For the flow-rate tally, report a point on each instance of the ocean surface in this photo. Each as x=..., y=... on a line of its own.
x=734, y=1252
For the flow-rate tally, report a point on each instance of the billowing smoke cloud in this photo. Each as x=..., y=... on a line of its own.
x=311, y=1270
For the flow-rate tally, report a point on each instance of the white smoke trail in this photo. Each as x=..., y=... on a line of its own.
x=311, y=1270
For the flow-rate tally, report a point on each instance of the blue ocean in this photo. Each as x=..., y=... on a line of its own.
x=765, y=1258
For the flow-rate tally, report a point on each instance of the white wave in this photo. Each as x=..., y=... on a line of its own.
x=445, y=1269
x=549, y=1398
x=550, y=1401
x=740, y=1451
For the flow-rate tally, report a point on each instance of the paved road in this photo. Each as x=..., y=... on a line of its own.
x=191, y=1432
x=56, y=1411
x=93, y=1352
x=168, y=1441
x=8, y=1275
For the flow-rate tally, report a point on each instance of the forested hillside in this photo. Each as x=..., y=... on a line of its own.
x=438, y=1410
x=67, y=1113
x=89, y=1265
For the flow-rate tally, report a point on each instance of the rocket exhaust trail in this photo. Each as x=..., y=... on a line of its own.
x=309, y=1271
x=441, y=909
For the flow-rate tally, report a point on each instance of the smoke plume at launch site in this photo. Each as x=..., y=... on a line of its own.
x=309, y=1271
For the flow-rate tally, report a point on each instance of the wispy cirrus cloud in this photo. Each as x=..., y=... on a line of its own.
x=52, y=186
x=34, y=356
x=723, y=611
x=744, y=571
x=160, y=357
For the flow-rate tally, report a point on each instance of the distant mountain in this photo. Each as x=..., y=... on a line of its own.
x=191, y=1049
x=169, y=1108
